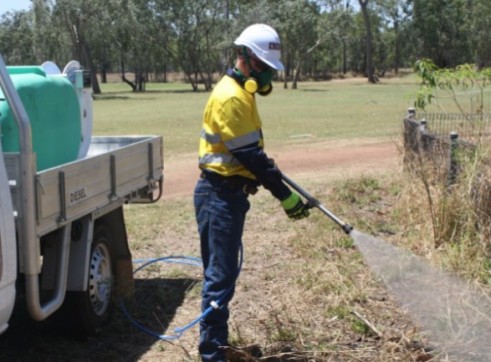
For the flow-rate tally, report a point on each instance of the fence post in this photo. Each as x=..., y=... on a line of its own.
x=422, y=125
x=409, y=137
x=453, y=163
x=424, y=142
x=411, y=113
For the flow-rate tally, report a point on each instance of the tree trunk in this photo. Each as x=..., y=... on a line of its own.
x=369, y=57
x=296, y=75
x=87, y=59
x=345, y=57
x=103, y=73
x=104, y=67
x=83, y=55
x=397, y=56
x=139, y=81
x=123, y=76
x=301, y=57
x=130, y=83
x=192, y=81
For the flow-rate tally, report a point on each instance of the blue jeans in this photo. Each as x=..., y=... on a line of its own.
x=220, y=214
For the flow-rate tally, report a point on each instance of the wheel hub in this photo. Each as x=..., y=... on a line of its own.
x=100, y=279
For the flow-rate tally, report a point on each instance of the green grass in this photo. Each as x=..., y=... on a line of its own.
x=334, y=110
x=315, y=112
x=164, y=109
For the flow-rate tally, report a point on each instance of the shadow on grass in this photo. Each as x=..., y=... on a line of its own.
x=128, y=95
x=111, y=97
x=154, y=306
x=184, y=91
x=314, y=90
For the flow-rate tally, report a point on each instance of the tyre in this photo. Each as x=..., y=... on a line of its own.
x=90, y=310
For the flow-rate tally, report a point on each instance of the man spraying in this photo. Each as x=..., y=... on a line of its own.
x=234, y=165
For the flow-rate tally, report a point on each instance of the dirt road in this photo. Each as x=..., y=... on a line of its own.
x=327, y=157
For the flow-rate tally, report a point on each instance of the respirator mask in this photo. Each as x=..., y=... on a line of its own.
x=259, y=81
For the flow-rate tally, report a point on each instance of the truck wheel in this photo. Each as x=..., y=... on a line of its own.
x=91, y=310
x=101, y=279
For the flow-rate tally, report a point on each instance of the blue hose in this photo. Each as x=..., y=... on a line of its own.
x=179, y=331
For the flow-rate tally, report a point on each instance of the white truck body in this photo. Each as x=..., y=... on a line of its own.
x=8, y=254
x=48, y=218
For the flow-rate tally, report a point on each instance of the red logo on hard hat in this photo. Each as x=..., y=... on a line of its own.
x=274, y=46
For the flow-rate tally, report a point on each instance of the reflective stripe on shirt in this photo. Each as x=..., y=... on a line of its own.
x=244, y=140
x=220, y=158
x=210, y=138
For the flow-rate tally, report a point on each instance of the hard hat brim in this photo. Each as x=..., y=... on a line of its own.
x=276, y=65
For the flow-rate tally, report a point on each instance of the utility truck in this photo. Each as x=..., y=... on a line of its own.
x=63, y=241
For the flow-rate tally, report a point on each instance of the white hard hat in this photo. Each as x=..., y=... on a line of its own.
x=264, y=42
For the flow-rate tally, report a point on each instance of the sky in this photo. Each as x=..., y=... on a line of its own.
x=7, y=5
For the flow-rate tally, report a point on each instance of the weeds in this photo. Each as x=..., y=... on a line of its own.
x=360, y=327
x=361, y=191
x=458, y=213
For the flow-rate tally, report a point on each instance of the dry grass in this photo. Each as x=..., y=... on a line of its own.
x=448, y=224
x=305, y=292
x=300, y=295
x=302, y=288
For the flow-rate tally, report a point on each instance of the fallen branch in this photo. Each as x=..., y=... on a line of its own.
x=367, y=323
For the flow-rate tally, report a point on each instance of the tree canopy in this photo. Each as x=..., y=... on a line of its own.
x=150, y=38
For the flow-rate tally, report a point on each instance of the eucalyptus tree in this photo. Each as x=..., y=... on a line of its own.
x=49, y=42
x=365, y=40
x=164, y=37
x=17, y=38
x=369, y=69
x=102, y=36
x=76, y=18
x=337, y=24
x=138, y=35
x=199, y=26
x=478, y=19
x=298, y=25
x=397, y=15
x=444, y=35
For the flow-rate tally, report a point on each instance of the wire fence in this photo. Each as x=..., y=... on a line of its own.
x=437, y=154
x=434, y=137
x=467, y=125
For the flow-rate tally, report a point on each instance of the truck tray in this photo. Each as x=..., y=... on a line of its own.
x=116, y=170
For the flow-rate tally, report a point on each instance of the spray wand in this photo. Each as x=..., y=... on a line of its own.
x=313, y=202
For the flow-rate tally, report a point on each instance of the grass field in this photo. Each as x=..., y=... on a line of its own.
x=316, y=111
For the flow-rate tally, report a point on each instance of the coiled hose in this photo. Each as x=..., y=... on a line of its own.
x=179, y=331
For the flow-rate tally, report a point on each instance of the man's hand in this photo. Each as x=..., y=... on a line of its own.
x=294, y=207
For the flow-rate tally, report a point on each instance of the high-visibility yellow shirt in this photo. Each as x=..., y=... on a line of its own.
x=230, y=122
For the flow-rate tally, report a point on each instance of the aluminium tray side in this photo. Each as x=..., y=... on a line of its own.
x=119, y=168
